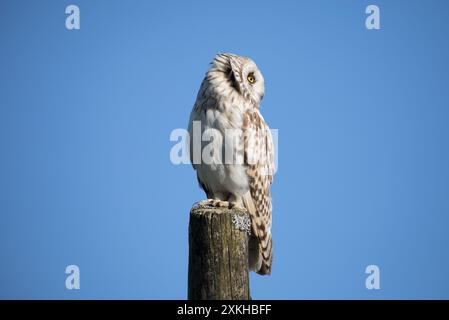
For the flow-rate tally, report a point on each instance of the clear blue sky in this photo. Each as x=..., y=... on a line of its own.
x=86, y=115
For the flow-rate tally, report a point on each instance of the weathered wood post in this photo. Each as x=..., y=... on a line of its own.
x=218, y=254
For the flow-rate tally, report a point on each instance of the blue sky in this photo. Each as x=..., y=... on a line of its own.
x=86, y=115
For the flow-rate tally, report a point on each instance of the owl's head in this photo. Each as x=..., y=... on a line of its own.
x=242, y=74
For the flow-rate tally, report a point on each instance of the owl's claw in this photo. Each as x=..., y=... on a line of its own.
x=235, y=205
x=212, y=203
x=215, y=203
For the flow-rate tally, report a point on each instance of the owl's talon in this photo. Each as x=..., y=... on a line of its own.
x=235, y=205
x=212, y=203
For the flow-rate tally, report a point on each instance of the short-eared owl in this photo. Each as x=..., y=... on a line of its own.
x=228, y=103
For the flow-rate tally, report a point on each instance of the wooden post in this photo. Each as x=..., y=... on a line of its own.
x=218, y=254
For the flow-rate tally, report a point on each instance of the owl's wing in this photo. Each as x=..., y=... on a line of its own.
x=260, y=160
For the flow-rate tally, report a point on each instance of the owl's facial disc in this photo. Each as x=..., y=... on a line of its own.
x=244, y=76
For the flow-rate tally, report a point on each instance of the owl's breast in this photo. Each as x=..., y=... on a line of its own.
x=221, y=170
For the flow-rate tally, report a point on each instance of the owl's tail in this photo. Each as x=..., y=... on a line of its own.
x=260, y=242
x=260, y=260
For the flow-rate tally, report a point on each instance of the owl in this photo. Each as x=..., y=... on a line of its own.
x=234, y=158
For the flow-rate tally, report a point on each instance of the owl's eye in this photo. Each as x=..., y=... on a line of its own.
x=251, y=78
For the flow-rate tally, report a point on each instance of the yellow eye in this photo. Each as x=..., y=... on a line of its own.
x=251, y=78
